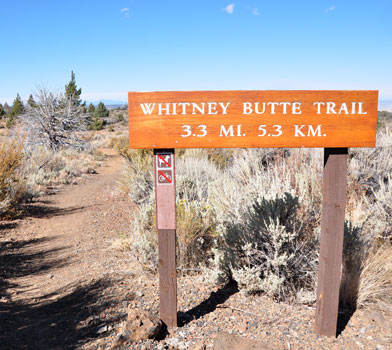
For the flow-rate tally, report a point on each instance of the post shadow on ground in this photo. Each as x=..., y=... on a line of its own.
x=62, y=320
x=353, y=255
x=209, y=305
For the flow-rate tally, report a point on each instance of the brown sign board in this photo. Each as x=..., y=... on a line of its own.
x=252, y=119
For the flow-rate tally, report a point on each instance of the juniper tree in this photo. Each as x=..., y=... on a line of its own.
x=17, y=107
x=55, y=121
x=91, y=109
x=2, y=111
x=72, y=92
x=101, y=111
x=31, y=101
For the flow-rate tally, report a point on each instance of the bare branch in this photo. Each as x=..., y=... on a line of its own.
x=55, y=121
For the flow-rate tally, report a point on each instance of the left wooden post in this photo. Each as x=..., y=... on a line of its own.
x=165, y=195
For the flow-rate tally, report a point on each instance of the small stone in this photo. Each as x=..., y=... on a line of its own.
x=141, y=325
x=102, y=330
x=139, y=294
x=363, y=330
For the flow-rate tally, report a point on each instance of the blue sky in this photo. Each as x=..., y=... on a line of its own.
x=141, y=45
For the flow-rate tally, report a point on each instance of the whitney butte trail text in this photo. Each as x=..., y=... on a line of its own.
x=218, y=119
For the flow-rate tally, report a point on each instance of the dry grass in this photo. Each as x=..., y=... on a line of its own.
x=230, y=183
x=11, y=182
x=375, y=286
x=26, y=171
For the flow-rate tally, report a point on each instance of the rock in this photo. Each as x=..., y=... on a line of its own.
x=363, y=330
x=102, y=330
x=141, y=325
x=226, y=341
x=139, y=293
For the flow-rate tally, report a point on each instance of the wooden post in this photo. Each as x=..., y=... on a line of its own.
x=165, y=194
x=331, y=242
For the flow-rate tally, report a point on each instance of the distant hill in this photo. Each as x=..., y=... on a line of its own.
x=385, y=105
x=110, y=104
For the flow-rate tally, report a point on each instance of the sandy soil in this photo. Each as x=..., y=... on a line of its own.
x=59, y=257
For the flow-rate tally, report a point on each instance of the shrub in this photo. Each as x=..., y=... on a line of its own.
x=10, y=120
x=254, y=215
x=56, y=121
x=11, y=182
x=138, y=179
x=96, y=124
x=195, y=216
x=45, y=167
x=196, y=219
x=267, y=252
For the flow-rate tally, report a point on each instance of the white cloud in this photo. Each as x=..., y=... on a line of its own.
x=330, y=9
x=125, y=11
x=256, y=12
x=229, y=9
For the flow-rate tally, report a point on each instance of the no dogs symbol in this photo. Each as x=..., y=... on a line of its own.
x=164, y=161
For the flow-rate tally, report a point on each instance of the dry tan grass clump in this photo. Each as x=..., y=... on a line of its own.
x=234, y=206
x=45, y=167
x=11, y=183
x=375, y=286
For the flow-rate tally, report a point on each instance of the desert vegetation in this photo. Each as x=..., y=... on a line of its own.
x=46, y=142
x=249, y=215
x=253, y=216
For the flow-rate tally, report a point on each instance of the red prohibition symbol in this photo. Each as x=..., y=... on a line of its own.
x=165, y=160
x=162, y=174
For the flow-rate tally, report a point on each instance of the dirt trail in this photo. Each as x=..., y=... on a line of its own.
x=57, y=259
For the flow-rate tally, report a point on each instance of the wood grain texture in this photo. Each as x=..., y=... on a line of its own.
x=336, y=130
x=167, y=277
x=165, y=197
x=331, y=243
x=166, y=225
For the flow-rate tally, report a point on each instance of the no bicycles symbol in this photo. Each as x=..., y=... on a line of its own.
x=164, y=168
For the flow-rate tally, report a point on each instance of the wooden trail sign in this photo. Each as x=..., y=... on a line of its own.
x=200, y=119
x=334, y=120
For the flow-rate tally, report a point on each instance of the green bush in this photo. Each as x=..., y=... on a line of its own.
x=96, y=124
x=101, y=111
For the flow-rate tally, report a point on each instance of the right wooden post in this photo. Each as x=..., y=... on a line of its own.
x=331, y=241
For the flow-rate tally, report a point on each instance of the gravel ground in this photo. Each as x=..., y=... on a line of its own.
x=207, y=311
